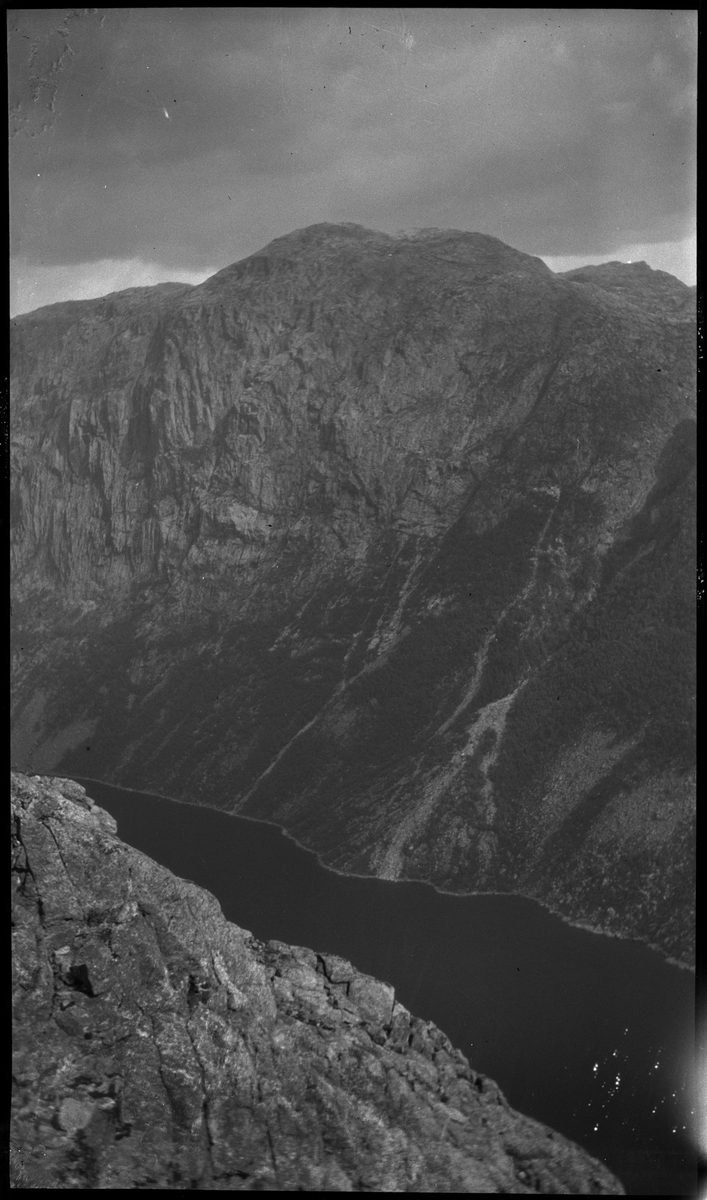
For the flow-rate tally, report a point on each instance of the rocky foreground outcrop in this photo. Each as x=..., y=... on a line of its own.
x=156, y=1045
x=388, y=540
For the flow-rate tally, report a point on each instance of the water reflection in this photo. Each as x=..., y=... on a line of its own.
x=618, y=1070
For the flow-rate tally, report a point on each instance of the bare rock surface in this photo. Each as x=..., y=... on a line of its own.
x=388, y=540
x=156, y=1045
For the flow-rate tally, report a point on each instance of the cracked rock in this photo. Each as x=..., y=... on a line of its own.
x=157, y=1045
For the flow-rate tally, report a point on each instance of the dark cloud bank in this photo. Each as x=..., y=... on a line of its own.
x=188, y=138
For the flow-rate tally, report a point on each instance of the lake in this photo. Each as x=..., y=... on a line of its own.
x=590, y=1034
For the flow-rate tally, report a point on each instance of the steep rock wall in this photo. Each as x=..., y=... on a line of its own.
x=374, y=536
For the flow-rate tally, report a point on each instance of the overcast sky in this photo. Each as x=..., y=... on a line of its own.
x=165, y=143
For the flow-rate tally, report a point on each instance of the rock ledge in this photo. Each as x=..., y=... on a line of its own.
x=157, y=1045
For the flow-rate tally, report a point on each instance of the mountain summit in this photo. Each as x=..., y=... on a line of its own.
x=388, y=540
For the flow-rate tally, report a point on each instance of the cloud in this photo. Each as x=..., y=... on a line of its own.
x=677, y=258
x=33, y=285
x=564, y=132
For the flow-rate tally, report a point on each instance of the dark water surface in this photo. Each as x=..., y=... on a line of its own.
x=590, y=1034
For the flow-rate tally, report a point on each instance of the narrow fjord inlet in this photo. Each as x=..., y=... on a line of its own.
x=592, y=1035
x=386, y=541
x=353, y=549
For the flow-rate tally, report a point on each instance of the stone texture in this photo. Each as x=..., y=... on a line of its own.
x=389, y=540
x=156, y=1045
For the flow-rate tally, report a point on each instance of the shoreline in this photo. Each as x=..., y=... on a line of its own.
x=574, y=923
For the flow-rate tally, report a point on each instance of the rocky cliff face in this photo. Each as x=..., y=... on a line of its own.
x=387, y=539
x=156, y=1045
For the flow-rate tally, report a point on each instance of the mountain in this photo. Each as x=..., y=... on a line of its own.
x=388, y=540
x=156, y=1045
